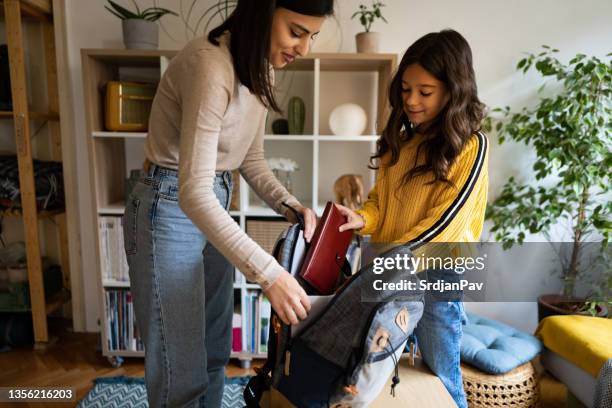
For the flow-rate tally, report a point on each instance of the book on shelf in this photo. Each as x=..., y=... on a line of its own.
x=255, y=322
x=113, y=259
x=237, y=332
x=121, y=328
x=265, y=316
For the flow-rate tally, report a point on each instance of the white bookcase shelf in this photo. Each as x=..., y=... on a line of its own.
x=323, y=81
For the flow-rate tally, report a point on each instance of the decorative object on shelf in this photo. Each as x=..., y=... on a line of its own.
x=280, y=127
x=6, y=103
x=348, y=190
x=296, y=112
x=570, y=134
x=282, y=169
x=128, y=105
x=348, y=119
x=130, y=182
x=368, y=41
x=140, y=30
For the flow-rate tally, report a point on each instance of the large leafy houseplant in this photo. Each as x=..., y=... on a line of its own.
x=571, y=134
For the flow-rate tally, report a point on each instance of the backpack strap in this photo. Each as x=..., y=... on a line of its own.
x=261, y=382
x=254, y=390
x=298, y=216
x=263, y=379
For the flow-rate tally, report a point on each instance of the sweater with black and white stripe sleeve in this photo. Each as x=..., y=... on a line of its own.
x=421, y=212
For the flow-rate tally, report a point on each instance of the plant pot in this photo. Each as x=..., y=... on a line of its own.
x=367, y=42
x=552, y=305
x=140, y=34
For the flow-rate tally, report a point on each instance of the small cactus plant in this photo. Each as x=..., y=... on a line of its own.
x=296, y=112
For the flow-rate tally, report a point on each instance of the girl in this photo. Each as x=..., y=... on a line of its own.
x=207, y=119
x=431, y=185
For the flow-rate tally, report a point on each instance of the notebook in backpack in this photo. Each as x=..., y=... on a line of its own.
x=326, y=253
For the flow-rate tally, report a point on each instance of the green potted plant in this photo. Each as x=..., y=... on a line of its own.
x=140, y=30
x=571, y=134
x=368, y=41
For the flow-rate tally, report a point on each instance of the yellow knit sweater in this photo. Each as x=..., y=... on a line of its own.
x=419, y=212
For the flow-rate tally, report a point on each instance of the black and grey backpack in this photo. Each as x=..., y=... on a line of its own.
x=345, y=351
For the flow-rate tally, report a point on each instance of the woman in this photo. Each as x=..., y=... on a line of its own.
x=207, y=119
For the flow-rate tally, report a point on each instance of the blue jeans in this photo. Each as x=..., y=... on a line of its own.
x=439, y=335
x=183, y=293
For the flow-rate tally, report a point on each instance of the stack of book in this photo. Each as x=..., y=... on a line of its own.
x=121, y=322
x=256, y=325
x=112, y=252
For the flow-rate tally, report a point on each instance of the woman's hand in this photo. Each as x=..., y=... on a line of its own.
x=354, y=220
x=310, y=220
x=288, y=299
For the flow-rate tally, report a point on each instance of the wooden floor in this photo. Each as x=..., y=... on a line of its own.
x=73, y=361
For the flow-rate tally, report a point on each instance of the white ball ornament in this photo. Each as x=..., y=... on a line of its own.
x=348, y=119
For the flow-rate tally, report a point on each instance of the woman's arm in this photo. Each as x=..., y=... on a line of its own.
x=258, y=175
x=206, y=85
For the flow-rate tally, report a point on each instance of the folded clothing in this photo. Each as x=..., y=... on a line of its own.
x=583, y=340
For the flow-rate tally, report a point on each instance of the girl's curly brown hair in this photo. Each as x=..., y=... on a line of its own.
x=448, y=57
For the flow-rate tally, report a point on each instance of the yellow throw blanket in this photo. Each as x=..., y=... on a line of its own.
x=585, y=341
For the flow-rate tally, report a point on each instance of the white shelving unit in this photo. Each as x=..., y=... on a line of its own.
x=322, y=80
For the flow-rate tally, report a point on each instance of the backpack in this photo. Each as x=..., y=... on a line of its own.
x=351, y=342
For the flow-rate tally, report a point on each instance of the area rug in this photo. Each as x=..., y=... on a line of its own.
x=128, y=392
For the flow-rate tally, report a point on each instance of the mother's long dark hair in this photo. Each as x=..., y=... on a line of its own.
x=447, y=56
x=250, y=25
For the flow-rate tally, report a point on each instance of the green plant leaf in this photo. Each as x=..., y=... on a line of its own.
x=123, y=11
x=115, y=13
x=137, y=8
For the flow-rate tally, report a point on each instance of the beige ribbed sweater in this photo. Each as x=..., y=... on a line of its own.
x=204, y=120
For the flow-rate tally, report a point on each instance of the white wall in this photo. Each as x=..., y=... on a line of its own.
x=498, y=31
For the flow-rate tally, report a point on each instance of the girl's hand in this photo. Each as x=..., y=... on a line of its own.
x=354, y=220
x=288, y=299
x=310, y=220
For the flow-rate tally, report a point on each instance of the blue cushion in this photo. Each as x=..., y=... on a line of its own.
x=494, y=347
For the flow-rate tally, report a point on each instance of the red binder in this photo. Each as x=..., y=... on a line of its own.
x=327, y=252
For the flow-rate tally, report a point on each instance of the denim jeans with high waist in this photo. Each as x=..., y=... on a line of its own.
x=439, y=335
x=183, y=293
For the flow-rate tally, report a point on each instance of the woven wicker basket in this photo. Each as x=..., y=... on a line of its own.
x=518, y=388
x=265, y=232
